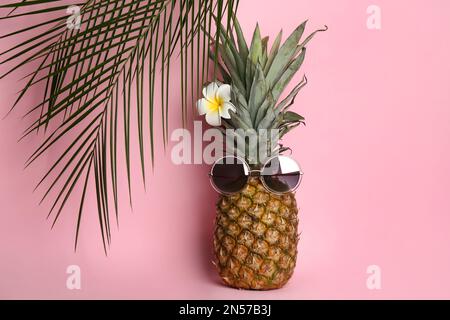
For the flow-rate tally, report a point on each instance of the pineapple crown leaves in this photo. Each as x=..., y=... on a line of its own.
x=259, y=76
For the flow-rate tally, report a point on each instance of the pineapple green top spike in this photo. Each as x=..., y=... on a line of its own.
x=263, y=58
x=258, y=92
x=256, y=46
x=285, y=54
x=242, y=44
x=273, y=52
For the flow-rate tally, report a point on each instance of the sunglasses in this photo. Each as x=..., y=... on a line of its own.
x=279, y=175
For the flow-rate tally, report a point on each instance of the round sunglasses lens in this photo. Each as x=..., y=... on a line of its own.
x=281, y=174
x=229, y=175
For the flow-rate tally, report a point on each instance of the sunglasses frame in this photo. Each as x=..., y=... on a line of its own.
x=254, y=173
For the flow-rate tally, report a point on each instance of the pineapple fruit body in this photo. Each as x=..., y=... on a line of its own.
x=255, y=238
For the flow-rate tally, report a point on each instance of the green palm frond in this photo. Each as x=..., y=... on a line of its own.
x=94, y=76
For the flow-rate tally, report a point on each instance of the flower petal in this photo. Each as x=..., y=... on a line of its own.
x=225, y=110
x=202, y=106
x=224, y=93
x=213, y=118
x=209, y=92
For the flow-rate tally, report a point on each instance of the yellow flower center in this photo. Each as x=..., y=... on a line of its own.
x=215, y=104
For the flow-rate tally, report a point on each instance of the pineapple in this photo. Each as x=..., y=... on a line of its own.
x=255, y=238
x=256, y=231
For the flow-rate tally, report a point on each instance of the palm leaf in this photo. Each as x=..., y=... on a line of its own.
x=94, y=77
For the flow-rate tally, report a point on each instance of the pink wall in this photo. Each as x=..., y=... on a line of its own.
x=376, y=153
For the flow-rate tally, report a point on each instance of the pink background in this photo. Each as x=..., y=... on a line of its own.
x=376, y=152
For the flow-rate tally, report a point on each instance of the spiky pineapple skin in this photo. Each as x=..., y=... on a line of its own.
x=255, y=238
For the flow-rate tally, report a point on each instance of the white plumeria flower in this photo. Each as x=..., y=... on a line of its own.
x=216, y=103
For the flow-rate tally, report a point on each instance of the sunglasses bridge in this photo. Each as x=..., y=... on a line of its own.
x=254, y=173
